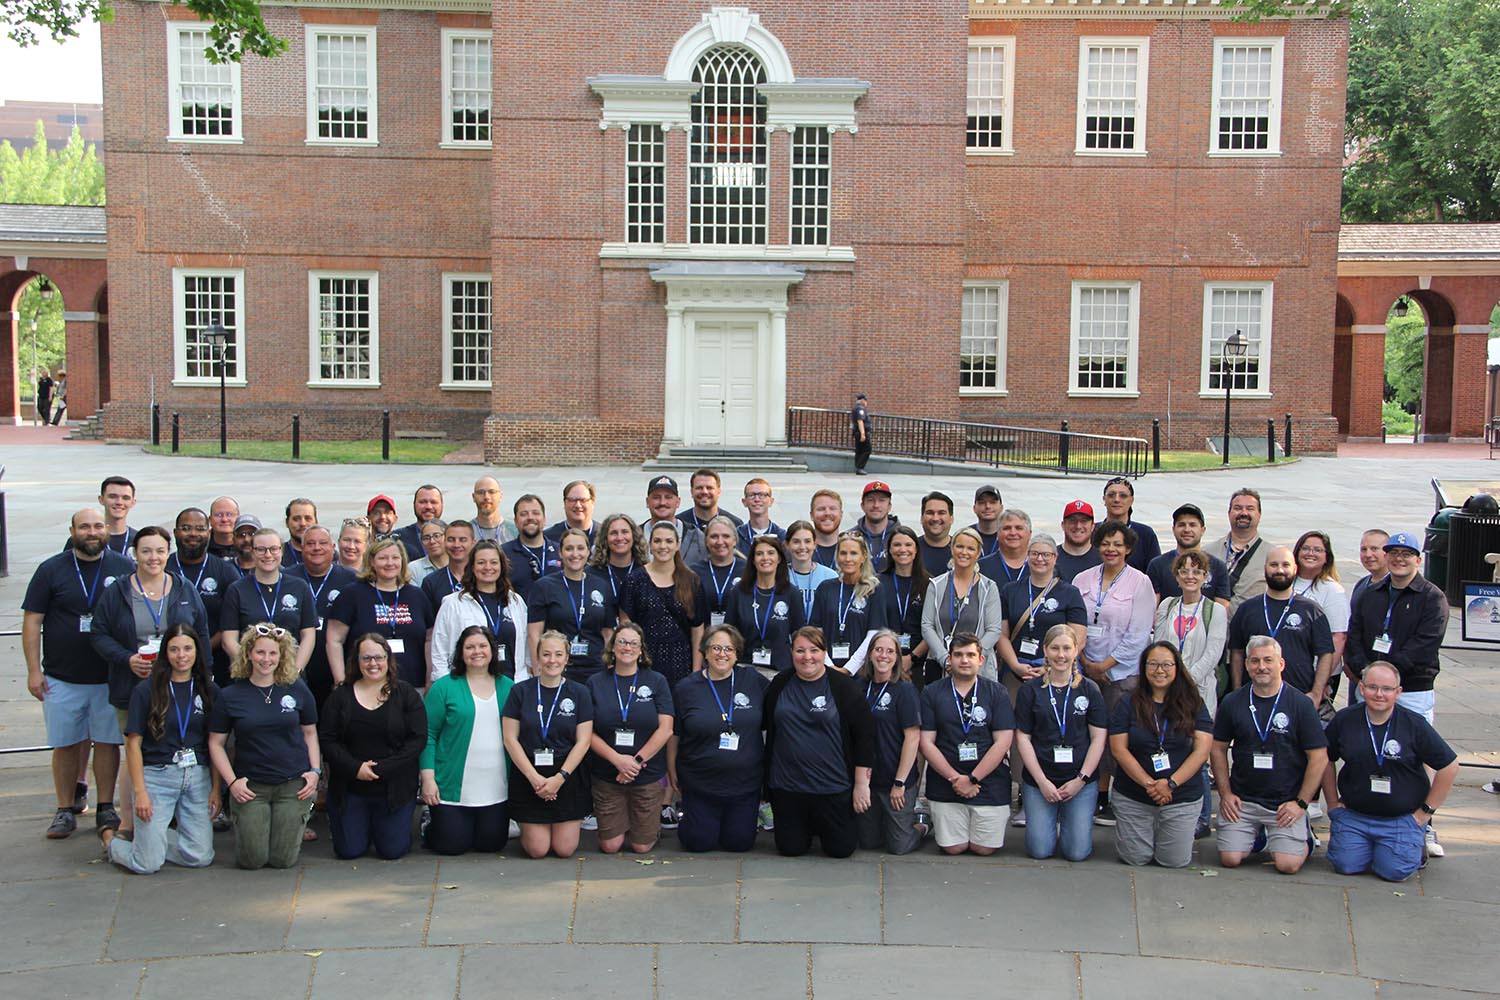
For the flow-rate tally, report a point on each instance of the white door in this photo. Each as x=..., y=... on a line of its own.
x=725, y=411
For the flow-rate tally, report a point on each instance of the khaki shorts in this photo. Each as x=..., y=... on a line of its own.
x=629, y=811
x=1239, y=837
x=957, y=823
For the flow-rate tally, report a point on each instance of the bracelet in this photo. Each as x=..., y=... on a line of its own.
x=898, y=783
x=240, y=778
x=564, y=772
x=1428, y=809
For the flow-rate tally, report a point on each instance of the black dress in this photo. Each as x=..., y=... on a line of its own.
x=668, y=626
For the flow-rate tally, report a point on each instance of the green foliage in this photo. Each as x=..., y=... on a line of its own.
x=72, y=175
x=1405, y=337
x=1255, y=10
x=1398, y=423
x=49, y=336
x=238, y=26
x=319, y=452
x=1423, y=117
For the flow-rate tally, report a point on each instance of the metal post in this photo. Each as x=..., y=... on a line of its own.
x=223, y=408
x=1155, y=443
x=385, y=435
x=155, y=425
x=296, y=435
x=1062, y=448
x=1270, y=440
x=176, y=432
x=1382, y=432
x=4, y=539
x=1228, y=385
x=1286, y=452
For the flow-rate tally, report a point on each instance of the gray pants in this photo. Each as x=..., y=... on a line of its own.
x=882, y=828
x=1163, y=834
x=268, y=828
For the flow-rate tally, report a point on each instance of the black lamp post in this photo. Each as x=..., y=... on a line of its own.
x=219, y=337
x=1236, y=346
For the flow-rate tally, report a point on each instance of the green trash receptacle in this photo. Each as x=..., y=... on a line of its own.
x=1436, y=545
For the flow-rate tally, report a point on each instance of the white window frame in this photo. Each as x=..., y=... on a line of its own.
x=1277, y=46
x=825, y=172
x=1264, y=357
x=1132, y=369
x=1008, y=84
x=314, y=341
x=449, y=382
x=1002, y=336
x=175, y=31
x=179, y=324
x=1143, y=74
x=310, y=58
x=449, y=35
x=637, y=164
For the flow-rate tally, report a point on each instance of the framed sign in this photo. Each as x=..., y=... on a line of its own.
x=1481, y=612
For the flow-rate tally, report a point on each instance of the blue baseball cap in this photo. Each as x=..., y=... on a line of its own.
x=1403, y=540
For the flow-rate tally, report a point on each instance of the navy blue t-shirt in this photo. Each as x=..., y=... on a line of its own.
x=827, y=555
x=562, y=708
x=903, y=608
x=845, y=618
x=1143, y=743
x=707, y=764
x=186, y=710
x=268, y=741
x=717, y=585
x=645, y=697
x=579, y=609
x=528, y=565
x=1069, y=565
x=212, y=578
x=325, y=590
x=934, y=558
x=402, y=616
x=1063, y=605
x=767, y=620
x=986, y=711
x=996, y=568
x=1408, y=742
x=1292, y=728
x=896, y=709
x=809, y=751
x=438, y=584
x=56, y=593
x=1216, y=587
x=1039, y=705
x=288, y=604
x=1299, y=626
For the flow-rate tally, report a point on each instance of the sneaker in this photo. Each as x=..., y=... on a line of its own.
x=1434, y=849
x=63, y=824
x=514, y=830
x=221, y=821
x=105, y=815
x=80, y=798
x=590, y=822
x=670, y=817
x=1018, y=818
x=764, y=818
x=1314, y=810
x=1104, y=815
x=1493, y=787
x=1259, y=843
x=923, y=822
x=1201, y=830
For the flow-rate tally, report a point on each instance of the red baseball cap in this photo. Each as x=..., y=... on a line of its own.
x=876, y=486
x=1076, y=508
x=380, y=498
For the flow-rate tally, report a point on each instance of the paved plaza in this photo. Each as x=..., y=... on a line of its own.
x=674, y=925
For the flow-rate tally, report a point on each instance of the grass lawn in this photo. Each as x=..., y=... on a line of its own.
x=326, y=452
x=1192, y=461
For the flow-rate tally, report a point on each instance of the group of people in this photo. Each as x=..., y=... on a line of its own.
x=51, y=396
x=864, y=687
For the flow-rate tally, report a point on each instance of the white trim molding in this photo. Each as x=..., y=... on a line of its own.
x=1265, y=322
x=729, y=26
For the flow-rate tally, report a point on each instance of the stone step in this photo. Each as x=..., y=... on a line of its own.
x=724, y=460
x=90, y=428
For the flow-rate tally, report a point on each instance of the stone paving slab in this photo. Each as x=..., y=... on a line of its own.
x=779, y=903
x=177, y=912
x=365, y=904
x=737, y=972
x=690, y=899
x=502, y=900
x=1432, y=942
x=228, y=977
x=85, y=982
x=592, y=972
x=1128, y=978
x=843, y=972
x=61, y=921
x=407, y=972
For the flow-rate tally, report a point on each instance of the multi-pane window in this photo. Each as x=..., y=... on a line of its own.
x=466, y=329
x=466, y=90
x=203, y=299
x=1104, y=338
x=1247, y=96
x=990, y=75
x=341, y=85
x=344, y=328
x=810, y=179
x=1244, y=309
x=1112, y=96
x=645, y=185
x=205, y=95
x=727, y=150
x=981, y=342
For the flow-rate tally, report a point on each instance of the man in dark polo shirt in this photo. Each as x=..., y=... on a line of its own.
x=1296, y=623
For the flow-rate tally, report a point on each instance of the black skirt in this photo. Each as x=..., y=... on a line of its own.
x=574, y=800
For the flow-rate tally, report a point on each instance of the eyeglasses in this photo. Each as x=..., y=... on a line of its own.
x=627, y=643
x=1378, y=689
x=265, y=549
x=433, y=536
x=372, y=658
x=721, y=649
x=274, y=631
x=757, y=496
x=1402, y=554
x=1160, y=666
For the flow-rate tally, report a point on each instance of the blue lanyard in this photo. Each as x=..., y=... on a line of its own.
x=627, y=702
x=1389, y=607
x=296, y=556
x=1005, y=567
x=1265, y=607
x=275, y=598
x=869, y=687
x=1060, y=716
x=1183, y=630
x=545, y=721
x=807, y=591
x=1379, y=747
x=182, y=723
x=762, y=624
x=89, y=589
x=870, y=539
x=389, y=609
x=198, y=581
x=965, y=719
x=844, y=609
x=318, y=593
x=494, y=618
x=1161, y=739
x=994, y=545
x=614, y=584
x=454, y=586
x=902, y=602
x=719, y=588
x=538, y=562
x=1265, y=733
x=577, y=608
x=1099, y=601
x=158, y=610
x=723, y=715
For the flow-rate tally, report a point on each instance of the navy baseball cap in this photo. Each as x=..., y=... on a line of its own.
x=663, y=483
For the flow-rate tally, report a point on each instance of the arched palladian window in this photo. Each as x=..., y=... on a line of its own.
x=727, y=151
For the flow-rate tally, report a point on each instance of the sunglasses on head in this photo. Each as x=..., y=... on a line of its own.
x=275, y=631
x=363, y=522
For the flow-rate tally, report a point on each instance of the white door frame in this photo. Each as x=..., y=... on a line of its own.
x=760, y=318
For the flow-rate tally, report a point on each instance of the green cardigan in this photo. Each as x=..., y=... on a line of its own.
x=450, y=723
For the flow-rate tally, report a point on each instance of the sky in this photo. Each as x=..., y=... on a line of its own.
x=49, y=71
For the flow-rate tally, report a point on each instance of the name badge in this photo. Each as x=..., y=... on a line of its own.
x=841, y=651
x=625, y=738
x=186, y=758
x=905, y=640
x=1062, y=755
x=1096, y=631
x=578, y=648
x=1382, y=644
x=500, y=653
x=320, y=623
x=1028, y=647
x=729, y=741
x=715, y=618
x=1161, y=763
x=1261, y=762
x=85, y=623
x=398, y=645
x=760, y=656
x=968, y=752
x=1379, y=785
x=542, y=758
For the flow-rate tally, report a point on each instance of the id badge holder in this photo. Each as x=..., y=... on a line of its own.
x=398, y=645
x=578, y=648
x=1096, y=631
x=1028, y=647
x=542, y=758
x=905, y=641
x=500, y=653
x=1382, y=644
x=1379, y=785
x=760, y=656
x=1262, y=762
x=729, y=741
x=320, y=623
x=625, y=739
x=1161, y=763
x=715, y=619
x=85, y=623
x=1062, y=755
x=840, y=651
x=187, y=758
x=968, y=752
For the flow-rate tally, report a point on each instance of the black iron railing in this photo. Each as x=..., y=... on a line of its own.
x=1059, y=450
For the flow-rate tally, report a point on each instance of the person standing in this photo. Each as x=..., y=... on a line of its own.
x=434, y=556
x=576, y=604
x=827, y=515
x=722, y=570
x=269, y=595
x=891, y=822
x=758, y=500
x=488, y=521
x=1077, y=552
x=859, y=424
x=937, y=530
x=532, y=555
x=222, y=515
x=326, y=580
x=579, y=497
x=766, y=609
x=426, y=504
x=301, y=514
x=706, y=488
x=633, y=718
x=209, y=575
x=60, y=396
x=666, y=600
x=1187, y=529
x=44, y=396
x=1296, y=623
x=963, y=601
x=847, y=609
x=877, y=520
x=384, y=601
x=988, y=506
x=1007, y=563
x=1243, y=550
x=487, y=599
x=803, y=568
x=458, y=540
x=903, y=586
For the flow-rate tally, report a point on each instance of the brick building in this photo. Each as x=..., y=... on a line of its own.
x=611, y=228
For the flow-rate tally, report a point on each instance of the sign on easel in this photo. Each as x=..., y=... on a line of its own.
x=1481, y=612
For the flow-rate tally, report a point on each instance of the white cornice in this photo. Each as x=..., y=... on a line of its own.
x=445, y=6
x=1136, y=10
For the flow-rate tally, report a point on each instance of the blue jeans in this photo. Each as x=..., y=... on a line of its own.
x=1207, y=812
x=1070, y=823
x=710, y=823
x=1390, y=846
x=364, y=821
x=175, y=791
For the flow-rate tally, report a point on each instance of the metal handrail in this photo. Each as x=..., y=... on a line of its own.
x=994, y=445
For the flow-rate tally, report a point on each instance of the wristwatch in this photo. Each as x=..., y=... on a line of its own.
x=316, y=770
x=1172, y=784
x=1300, y=803
x=564, y=772
x=898, y=783
x=1428, y=809
x=640, y=760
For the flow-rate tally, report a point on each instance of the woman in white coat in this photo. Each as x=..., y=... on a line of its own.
x=486, y=598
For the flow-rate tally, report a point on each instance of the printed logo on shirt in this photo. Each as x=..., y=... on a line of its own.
x=399, y=615
x=1050, y=604
x=858, y=604
x=1081, y=705
x=820, y=704
x=566, y=707
x=109, y=581
x=333, y=595
x=597, y=598
x=197, y=704
x=741, y=700
x=209, y=585
x=288, y=703
x=1280, y=723
x=643, y=693
x=1294, y=620
x=289, y=601
x=779, y=610
x=884, y=701
x=1393, y=748
x=979, y=714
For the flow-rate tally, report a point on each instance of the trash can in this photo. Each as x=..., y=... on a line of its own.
x=1436, y=546
x=1470, y=538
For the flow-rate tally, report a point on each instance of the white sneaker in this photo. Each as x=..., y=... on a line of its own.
x=1434, y=849
x=1018, y=818
x=1314, y=811
x=590, y=822
x=1493, y=787
x=515, y=830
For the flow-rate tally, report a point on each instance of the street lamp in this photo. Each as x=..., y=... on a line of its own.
x=219, y=337
x=36, y=389
x=1236, y=347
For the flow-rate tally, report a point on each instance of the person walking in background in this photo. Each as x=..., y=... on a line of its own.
x=60, y=396
x=44, y=385
x=859, y=424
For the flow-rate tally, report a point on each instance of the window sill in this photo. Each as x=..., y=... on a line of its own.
x=1103, y=394
x=342, y=142
x=465, y=386
x=1130, y=153
x=1006, y=151
x=466, y=145
x=687, y=251
x=350, y=384
x=994, y=393
x=1244, y=154
x=1236, y=394
x=208, y=383
x=209, y=140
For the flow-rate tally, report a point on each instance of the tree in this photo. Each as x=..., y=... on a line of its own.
x=72, y=175
x=1423, y=113
x=237, y=25
x=49, y=337
x=1405, y=338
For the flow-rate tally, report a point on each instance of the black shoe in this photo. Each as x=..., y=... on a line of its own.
x=1202, y=830
x=106, y=815
x=1104, y=815
x=80, y=798
x=63, y=825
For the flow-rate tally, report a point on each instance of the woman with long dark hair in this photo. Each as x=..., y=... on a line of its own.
x=903, y=585
x=487, y=598
x=664, y=599
x=766, y=608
